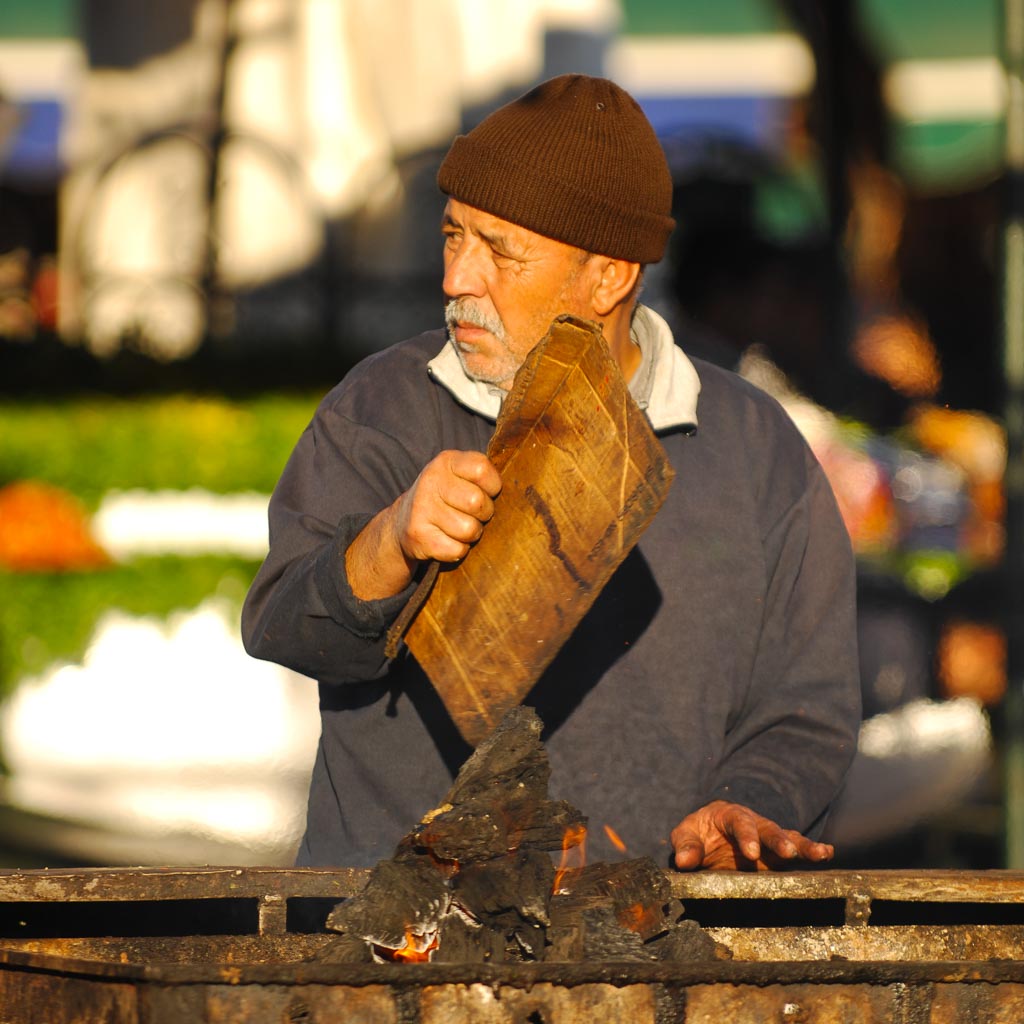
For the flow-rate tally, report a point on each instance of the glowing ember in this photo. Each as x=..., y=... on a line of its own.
x=639, y=917
x=411, y=952
x=614, y=838
x=574, y=853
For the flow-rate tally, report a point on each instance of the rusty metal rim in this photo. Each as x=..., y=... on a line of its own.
x=93, y=884
x=833, y=972
x=156, y=883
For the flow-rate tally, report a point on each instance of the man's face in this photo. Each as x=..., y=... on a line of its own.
x=505, y=285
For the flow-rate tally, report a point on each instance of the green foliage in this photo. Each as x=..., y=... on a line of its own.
x=48, y=617
x=92, y=445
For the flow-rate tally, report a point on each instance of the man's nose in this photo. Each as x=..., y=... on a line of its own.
x=462, y=272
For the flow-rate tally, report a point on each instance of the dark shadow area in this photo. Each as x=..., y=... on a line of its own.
x=617, y=618
x=128, y=918
x=754, y=913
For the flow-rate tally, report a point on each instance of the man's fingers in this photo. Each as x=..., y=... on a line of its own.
x=477, y=469
x=779, y=842
x=820, y=851
x=725, y=836
x=741, y=826
x=444, y=512
x=689, y=855
x=789, y=845
x=472, y=501
x=688, y=846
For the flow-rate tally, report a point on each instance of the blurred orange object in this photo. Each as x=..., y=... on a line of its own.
x=45, y=529
x=977, y=444
x=971, y=661
x=863, y=495
x=898, y=350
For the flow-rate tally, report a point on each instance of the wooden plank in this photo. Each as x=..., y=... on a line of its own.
x=583, y=475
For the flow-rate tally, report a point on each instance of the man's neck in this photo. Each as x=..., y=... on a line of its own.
x=617, y=333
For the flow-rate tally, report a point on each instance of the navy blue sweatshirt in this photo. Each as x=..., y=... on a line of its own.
x=718, y=662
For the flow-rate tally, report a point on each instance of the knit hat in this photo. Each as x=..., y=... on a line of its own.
x=574, y=159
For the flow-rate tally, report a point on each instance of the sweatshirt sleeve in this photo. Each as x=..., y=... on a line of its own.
x=300, y=611
x=788, y=751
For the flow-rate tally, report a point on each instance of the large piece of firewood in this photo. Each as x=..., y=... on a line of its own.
x=481, y=857
x=582, y=476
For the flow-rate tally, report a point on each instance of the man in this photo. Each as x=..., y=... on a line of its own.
x=706, y=708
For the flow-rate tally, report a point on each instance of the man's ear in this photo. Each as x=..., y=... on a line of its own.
x=615, y=284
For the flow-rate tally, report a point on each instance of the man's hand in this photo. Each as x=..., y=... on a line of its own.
x=729, y=837
x=443, y=514
x=439, y=518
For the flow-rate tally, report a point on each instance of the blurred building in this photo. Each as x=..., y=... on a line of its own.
x=247, y=171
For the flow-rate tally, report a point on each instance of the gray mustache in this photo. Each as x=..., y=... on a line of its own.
x=465, y=312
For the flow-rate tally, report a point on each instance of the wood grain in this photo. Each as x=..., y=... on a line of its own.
x=582, y=477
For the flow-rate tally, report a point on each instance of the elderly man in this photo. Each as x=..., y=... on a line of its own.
x=706, y=708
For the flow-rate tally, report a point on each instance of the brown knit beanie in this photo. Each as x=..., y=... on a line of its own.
x=574, y=159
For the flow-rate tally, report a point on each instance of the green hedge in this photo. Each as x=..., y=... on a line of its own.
x=89, y=446
x=50, y=617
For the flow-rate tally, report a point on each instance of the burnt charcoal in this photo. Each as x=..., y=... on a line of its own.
x=564, y=943
x=512, y=757
x=463, y=941
x=637, y=890
x=491, y=825
x=509, y=890
x=400, y=896
x=544, y=826
x=606, y=939
x=565, y=933
x=510, y=896
x=467, y=833
x=622, y=881
x=499, y=800
x=345, y=949
x=685, y=941
x=474, y=882
x=526, y=943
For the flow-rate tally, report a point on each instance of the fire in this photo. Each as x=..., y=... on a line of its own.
x=574, y=853
x=411, y=953
x=638, y=917
x=616, y=841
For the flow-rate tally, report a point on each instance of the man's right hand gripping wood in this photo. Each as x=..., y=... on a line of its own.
x=439, y=519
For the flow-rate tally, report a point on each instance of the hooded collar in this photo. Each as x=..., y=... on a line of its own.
x=665, y=384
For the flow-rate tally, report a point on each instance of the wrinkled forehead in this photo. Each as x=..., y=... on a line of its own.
x=499, y=232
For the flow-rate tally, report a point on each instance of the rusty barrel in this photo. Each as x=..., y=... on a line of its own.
x=227, y=945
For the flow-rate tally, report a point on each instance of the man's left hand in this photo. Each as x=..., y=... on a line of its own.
x=730, y=837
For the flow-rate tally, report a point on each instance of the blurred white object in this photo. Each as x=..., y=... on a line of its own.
x=913, y=765
x=171, y=734
x=319, y=100
x=189, y=522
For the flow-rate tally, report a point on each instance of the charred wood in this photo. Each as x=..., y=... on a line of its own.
x=475, y=882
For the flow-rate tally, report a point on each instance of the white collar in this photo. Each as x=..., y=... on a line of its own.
x=665, y=384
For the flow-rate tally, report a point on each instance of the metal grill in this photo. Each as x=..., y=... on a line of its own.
x=157, y=946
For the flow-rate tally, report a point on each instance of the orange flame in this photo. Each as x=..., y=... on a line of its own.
x=410, y=953
x=574, y=853
x=638, y=918
x=616, y=841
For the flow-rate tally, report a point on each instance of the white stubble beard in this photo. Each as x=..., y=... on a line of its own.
x=465, y=311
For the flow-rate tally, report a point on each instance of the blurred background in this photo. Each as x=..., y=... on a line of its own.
x=209, y=209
